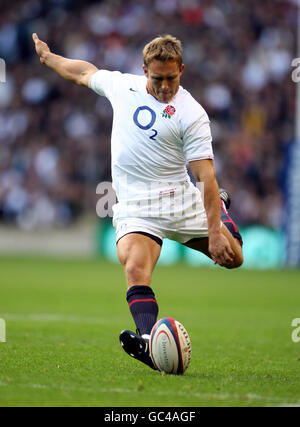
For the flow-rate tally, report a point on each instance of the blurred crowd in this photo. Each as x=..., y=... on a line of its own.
x=55, y=136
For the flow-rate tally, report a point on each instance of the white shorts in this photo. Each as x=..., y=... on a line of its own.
x=175, y=212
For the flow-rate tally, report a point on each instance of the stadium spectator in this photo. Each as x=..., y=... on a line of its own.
x=55, y=140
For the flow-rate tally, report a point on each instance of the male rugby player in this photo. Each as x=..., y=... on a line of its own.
x=158, y=128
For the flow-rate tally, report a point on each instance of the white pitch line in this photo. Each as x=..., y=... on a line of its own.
x=249, y=397
x=289, y=405
x=277, y=401
x=53, y=317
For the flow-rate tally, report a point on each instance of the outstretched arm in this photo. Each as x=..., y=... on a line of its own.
x=75, y=71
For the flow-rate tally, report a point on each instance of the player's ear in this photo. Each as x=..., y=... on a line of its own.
x=145, y=70
x=181, y=69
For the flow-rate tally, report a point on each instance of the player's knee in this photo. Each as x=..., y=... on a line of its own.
x=136, y=273
x=236, y=263
x=132, y=269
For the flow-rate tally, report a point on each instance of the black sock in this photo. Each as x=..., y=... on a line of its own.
x=143, y=308
x=229, y=223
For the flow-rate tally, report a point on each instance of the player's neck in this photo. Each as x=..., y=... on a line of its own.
x=150, y=92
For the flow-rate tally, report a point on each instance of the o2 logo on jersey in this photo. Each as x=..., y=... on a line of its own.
x=145, y=126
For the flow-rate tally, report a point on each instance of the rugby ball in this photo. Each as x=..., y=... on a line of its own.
x=170, y=346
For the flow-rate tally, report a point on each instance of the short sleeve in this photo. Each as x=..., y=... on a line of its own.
x=197, y=140
x=104, y=82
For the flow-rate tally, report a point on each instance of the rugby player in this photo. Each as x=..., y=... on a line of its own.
x=158, y=128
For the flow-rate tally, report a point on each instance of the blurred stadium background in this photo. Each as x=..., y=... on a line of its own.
x=55, y=136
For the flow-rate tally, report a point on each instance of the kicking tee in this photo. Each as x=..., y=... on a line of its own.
x=151, y=141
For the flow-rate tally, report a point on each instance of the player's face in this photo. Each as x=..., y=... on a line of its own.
x=163, y=79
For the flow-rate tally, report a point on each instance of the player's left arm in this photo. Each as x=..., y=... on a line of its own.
x=219, y=246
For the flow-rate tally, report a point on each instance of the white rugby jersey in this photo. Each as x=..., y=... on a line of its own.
x=151, y=141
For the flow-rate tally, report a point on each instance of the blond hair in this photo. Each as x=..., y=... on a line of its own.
x=163, y=48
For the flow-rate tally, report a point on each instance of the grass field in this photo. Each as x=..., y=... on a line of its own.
x=63, y=319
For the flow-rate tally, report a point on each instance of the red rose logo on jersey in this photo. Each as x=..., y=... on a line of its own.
x=169, y=111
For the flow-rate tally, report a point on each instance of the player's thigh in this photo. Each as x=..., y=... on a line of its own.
x=138, y=254
x=202, y=245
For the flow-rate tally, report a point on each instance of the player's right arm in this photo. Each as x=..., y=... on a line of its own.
x=75, y=71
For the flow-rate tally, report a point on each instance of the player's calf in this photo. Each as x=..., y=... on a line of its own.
x=233, y=233
x=143, y=307
x=236, y=247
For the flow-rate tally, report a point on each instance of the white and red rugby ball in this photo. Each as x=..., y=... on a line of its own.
x=170, y=346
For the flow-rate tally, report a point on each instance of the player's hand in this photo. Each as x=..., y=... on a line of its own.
x=220, y=250
x=40, y=47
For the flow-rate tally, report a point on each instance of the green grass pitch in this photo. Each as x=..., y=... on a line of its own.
x=63, y=318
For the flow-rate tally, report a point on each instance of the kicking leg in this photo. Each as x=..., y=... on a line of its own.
x=229, y=230
x=202, y=244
